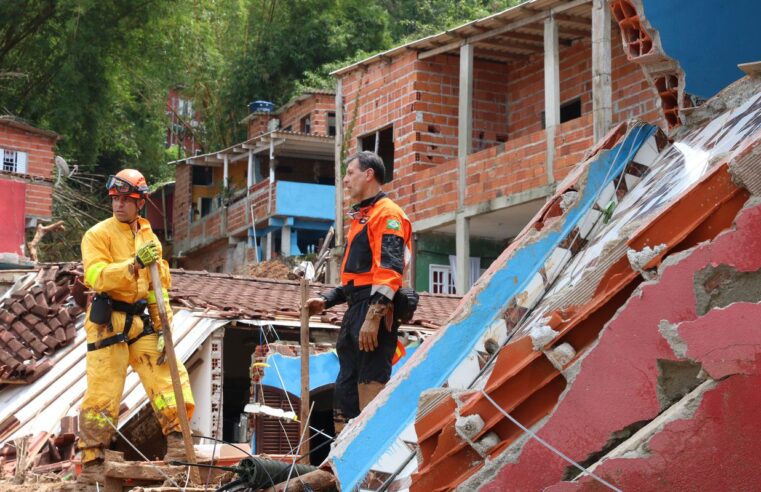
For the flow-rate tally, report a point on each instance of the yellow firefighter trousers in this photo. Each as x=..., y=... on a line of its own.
x=106, y=373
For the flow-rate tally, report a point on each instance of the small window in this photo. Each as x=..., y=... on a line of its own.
x=440, y=279
x=13, y=161
x=569, y=110
x=202, y=175
x=382, y=143
x=331, y=124
x=306, y=124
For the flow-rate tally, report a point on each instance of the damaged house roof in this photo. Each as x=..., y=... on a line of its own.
x=586, y=281
x=42, y=345
x=232, y=296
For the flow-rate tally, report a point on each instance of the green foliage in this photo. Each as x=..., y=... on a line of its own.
x=98, y=71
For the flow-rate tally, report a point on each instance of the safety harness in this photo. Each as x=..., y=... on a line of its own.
x=132, y=310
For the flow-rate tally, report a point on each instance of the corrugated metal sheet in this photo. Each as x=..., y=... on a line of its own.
x=40, y=406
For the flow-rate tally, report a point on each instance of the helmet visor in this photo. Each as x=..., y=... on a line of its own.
x=116, y=185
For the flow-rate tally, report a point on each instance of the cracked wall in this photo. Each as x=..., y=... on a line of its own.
x=621, y=382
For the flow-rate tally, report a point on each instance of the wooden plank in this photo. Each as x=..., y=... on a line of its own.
x=182, y=413
x=140, y=470
x=502, y=29
x=304, y=288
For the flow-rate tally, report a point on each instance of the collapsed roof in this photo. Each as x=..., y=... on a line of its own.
x=637, y=203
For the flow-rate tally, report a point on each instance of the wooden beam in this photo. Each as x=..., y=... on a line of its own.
x=526, y=21
x=494, y=51
x=574, y=19
x=512, y=45
x=531, y=38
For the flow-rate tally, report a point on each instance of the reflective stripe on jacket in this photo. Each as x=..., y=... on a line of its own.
x=108, y=255
x=377, y=247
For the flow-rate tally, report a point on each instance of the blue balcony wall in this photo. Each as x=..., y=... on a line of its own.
x=306, y=200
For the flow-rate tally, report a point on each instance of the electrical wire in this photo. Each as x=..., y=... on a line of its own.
x=548, y=445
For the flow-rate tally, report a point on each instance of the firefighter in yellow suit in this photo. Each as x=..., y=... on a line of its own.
x=117, y=253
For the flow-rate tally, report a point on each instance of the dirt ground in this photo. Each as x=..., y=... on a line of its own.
x=275, y=269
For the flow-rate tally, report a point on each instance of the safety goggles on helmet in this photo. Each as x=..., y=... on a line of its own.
x=118, y=186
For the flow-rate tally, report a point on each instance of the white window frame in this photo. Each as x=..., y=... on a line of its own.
x=18, y=164
x=447, y=281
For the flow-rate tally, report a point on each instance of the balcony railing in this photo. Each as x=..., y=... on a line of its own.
x=263, y=201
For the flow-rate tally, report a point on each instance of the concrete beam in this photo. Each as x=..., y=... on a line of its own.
x=484, y=207
x=551, y=90
x=602, y=96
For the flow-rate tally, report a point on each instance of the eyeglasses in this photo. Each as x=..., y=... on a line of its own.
x=123, y=187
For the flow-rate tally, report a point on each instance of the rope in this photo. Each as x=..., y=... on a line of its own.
x=548, y=445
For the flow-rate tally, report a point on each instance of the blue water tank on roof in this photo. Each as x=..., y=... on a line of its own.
x=261, y=107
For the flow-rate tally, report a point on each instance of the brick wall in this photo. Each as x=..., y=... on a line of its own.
x=317, y=106
x=257, y=125
x=419, y=97
x=40, y=155
x=260, y=201
x=211, y=258
x=182, y=201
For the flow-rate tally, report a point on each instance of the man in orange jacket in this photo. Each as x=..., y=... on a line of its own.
x=377, y=251
x=116, y=254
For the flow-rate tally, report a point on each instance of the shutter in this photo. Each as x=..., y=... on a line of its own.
x=2, y=160
x=270, y=438
x=21, y=162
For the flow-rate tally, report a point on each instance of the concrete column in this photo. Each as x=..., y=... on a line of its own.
x=285, y=240
x=602, y=97
x=551, y=90
x=339, y=237
x=269, y=246
x=464, y=148
x=250, y=176
x=464, y=120
x=225, y=171
x=462, y=245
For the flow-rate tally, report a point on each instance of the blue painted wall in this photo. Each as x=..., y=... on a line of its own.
x=306, y=200
x=708, y=38
x=323, y=370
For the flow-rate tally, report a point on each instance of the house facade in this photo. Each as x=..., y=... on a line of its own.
x=185, y=125
x=27, y=155
x=478, y=124
x=271, y=195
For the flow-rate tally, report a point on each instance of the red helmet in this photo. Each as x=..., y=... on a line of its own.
x=127, y=182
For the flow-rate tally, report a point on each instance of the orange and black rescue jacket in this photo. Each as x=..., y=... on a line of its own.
x=377, y=247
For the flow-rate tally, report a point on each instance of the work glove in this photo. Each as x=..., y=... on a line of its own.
x=316, y=305
x=147, y=254
x=161, y=347
x=368, y=334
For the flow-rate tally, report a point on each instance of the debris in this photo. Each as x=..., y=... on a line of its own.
x=542, y=335
x=640, y=259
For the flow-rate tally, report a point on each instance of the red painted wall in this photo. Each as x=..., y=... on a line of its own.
x=12, y=211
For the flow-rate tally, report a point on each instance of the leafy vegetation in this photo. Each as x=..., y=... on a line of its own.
x=98, y=71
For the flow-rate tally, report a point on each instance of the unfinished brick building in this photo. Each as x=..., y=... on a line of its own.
x=271, y=195
x=473, y=141
x=26, y=180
